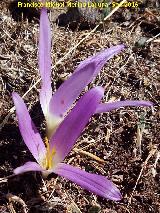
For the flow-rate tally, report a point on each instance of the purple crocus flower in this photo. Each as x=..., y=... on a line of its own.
x=49, y=157
x=65, y=128
x=55, y=107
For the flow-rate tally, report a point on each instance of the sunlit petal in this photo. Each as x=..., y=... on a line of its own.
x=97, y=184
x=72, y=126
x=45, y=61
x=28, y=130
x=106, y=107
x=83, y=75
x=28, y=167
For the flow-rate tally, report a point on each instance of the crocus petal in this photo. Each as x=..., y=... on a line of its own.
x=27, y=167
x=97, y=184
x=106, y=107
x=45, y=61
x=53, y=122
x=67, y=93
x=28, y=130
x=72, y=126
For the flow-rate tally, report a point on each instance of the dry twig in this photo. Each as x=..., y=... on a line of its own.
x=151, y=153
x=89, y=155
x=12, y=199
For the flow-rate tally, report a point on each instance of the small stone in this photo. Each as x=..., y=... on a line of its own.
x=141, y=42
x=94, y=209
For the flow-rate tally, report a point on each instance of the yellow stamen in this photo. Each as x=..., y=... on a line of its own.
x=48, y=163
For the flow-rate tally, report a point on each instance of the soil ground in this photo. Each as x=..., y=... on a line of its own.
x=127, y=138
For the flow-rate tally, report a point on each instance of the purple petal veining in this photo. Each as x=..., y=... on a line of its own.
x=106, y=107
x=28, y=167
x=97, y=184
x=28, y=130
x=72, y=126
x=45, y=61
x=67, y=93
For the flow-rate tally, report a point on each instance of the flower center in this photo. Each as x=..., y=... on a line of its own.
x=48, y=160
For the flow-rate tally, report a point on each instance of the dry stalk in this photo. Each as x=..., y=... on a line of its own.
x=153, y=38
x=12, y=199
x=55, y=182
x=140, y=130
x=11, y=208
x=5, y=179
x=151, y=153
x=89, y=155
x=73, y=206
